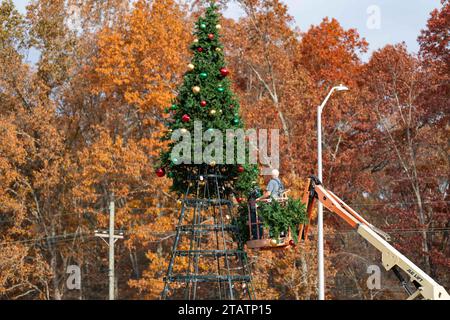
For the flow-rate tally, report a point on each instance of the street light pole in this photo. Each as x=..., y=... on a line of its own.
x=321, y=271
x=320, y=246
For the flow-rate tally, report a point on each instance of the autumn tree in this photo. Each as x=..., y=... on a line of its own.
x=435, y=53
x=77, y=151
x=133, y=78
x=331, y=54
x=434, y=40
x=265, y=51
x=20, y=103
x=407, y=150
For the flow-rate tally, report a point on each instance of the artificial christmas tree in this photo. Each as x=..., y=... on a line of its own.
x=207, y=262
x=206, y=96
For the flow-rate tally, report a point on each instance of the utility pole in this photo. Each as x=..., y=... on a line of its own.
x=112, y=238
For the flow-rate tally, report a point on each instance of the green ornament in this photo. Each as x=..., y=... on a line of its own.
x=171, y=175
x=166, y=110
x=203, y=75
x=236, y=121
x=202, y=26
x=175, y=161
x=221, y=89
x=174, y=107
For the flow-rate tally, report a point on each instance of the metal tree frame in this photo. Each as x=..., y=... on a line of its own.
x=206, y=261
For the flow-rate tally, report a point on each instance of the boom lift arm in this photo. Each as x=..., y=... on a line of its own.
x=392, y=259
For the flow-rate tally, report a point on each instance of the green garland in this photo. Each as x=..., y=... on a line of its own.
x=280, y=218
x=241, y=223
x=277, y=218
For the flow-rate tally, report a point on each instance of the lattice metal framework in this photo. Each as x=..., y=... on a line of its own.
x=206, y=261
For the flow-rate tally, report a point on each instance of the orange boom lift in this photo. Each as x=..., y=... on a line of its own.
x=417, y=284
x=422, y=284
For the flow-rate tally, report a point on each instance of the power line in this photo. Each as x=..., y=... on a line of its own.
x=72, y=236
x=399, y=202
x=87, y=235
x=55, y=238
x=391, y=232
x=12, y=219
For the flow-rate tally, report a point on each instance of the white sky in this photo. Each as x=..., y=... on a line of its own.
x=401, y=20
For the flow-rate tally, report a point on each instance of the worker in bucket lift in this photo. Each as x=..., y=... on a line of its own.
x=275, y=187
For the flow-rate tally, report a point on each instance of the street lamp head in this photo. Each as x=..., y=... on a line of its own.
x=337, y=88
x=342, y=88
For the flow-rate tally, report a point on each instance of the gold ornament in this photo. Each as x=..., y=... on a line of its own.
x=273, y=242
x=196, y=89
x=212, y=163
x=191, y=66
x=195, y=40
x=218, y=49
x=218, y=27
x=179, y=203
x=212, y=112
x=183, y=131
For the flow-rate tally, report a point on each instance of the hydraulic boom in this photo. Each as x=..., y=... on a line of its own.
x=392, y=259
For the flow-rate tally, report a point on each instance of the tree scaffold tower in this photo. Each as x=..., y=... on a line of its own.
x=206, y=260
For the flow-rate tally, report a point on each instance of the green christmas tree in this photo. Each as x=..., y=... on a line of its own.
x=206, y=96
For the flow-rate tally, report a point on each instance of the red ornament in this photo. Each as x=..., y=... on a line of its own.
x=203, y=103
x=292, y=243
x=241, y=169
x=186, y=118
x=211, y=36
x=160, y=172
x=224, y=72
x=239, y=200
x=200, y=49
